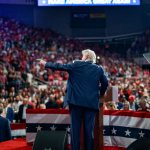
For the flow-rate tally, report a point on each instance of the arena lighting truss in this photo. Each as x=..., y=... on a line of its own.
x=147, y=56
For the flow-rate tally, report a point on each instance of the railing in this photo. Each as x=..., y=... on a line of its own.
x=110, y=38
x=40, y=81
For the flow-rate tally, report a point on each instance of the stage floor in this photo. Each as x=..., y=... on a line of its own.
x=17, y=144
x=20, y=144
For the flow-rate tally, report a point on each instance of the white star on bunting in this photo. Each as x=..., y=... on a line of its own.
x=141, y=134
x=68, y=129
x=26, y=128
x=38, y=128
x=53, y=128
x=114, y=131
x=127, y=132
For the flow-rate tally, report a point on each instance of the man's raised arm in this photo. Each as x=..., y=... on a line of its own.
x=57, y=66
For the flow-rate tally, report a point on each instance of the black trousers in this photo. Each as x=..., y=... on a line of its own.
x=16, y=117
x=77, y=114
x=23, y=121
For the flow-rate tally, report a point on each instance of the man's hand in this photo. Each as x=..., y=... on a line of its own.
x=42, y=62
x=103, y=96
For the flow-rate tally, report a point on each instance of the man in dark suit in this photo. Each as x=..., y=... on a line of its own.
x=133, y=105
x=5, y=132
x=22, y=110
x=82, y=95
x=8, y=112
x=51, y=104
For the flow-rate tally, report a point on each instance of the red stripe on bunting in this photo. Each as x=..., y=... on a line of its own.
x=30, y=143
x=113, y=148
x=18, y=126
x=47, y=111
x=130, y=113
x=106, y=112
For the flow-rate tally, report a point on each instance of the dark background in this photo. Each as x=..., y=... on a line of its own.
x=119, y=19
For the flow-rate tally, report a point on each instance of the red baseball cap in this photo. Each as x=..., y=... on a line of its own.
x=131, y=97
x=140, y=92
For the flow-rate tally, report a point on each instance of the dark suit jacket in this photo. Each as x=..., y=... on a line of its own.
x=120, y=105
x=10, y=114
x=20, y=113
x=83, y=83
x=5, y=131
x=52, y=105
x=136, y=106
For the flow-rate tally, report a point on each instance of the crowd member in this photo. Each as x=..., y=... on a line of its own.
x=45, y=76
x=24, y=79
x=45, y=99
x=133, y=105
x=30, y=77
x=126, y=106
x=112, y=106
x=15, y=107
x=17, y=81
x=42, y=106
x=143, y=106
x=52, y=104
x=39, y=102
x=122, y=98
x=57, y=99
x=5, y=131
x=146, y=97
x=13, y=91
x=8, y=112
x=22, y=110
x=11, y=100
x=119, y=105
x=3, y=78
x=139, y=96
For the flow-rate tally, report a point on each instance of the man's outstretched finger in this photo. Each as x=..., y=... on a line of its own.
x=38, y=59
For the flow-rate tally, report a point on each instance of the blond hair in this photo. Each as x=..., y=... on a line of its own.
x=128, y=105
x=90, y=54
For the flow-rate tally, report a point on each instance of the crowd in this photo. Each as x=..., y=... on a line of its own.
x=133, y=94
x=21, y=45
x=14, y=104
x=141, y=43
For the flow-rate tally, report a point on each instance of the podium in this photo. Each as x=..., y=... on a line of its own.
x=112, y=95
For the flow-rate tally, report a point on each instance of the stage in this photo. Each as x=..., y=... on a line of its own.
x=20, y=144
x=118, y=121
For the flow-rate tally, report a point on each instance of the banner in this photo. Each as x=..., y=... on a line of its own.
x=18, y=130
x=121, y=128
